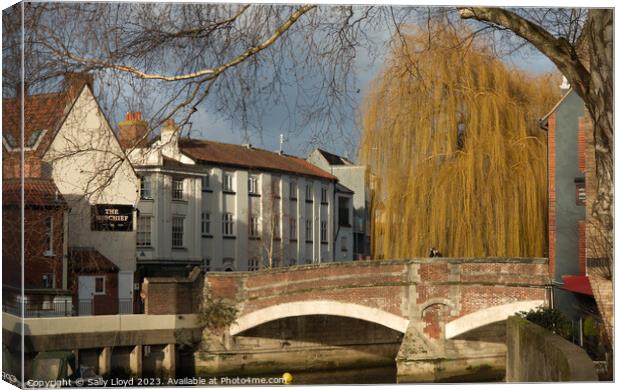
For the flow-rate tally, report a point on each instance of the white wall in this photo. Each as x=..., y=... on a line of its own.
x=89, y=167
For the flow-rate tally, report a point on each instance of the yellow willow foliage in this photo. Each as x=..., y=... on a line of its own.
x=456, y=158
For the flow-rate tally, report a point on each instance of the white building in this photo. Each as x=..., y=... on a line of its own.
x=228, y=207
x=354, y=178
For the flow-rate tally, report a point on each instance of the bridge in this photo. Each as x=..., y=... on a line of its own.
x=439, y=317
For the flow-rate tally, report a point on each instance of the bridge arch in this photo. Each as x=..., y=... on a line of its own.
x=318, y=307
x=487, y=316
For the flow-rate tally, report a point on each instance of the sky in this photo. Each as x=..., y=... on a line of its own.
x=208, y=124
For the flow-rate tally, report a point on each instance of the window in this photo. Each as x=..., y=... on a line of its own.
x=293, y=228
x=99, y=285
x=292, y=262
x=343, y=211
x=292, y=189
x=49, y=236
x=227, y=182
x=229, y=264
x=581, y=193
x=343, y=244
x=308, y=230
x=145, y=188
x=308, y=192
x=228, y=224
x=323, y=231
x=323, y=195
x=254, y=226
x=253, y=264
x=177, y=189
x=143, y=234
x=206, y=264
x=177, y=231
x=275, y=186
x=47, y=280
x=276, y=227
x=206, y=222
x=253, y=184
x=206, y=182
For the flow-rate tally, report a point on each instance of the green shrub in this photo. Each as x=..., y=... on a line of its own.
x=550, y=319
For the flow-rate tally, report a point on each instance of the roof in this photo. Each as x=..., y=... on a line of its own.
x=89, y=260
x=37, y=192
x=543, y=120
x=333, y=159
x=248, y=157
x=41, y=112
x=343, y=189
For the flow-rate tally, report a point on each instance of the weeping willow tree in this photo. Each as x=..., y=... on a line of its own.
x=456, y=158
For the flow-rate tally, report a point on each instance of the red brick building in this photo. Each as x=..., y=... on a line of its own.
x=45, y=210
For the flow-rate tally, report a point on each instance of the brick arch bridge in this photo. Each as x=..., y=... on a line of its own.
x=435, y=302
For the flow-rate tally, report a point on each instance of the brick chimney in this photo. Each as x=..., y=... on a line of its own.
x=74, y=81
x=133, y=131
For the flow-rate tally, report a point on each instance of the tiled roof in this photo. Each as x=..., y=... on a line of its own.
x=333, y=159
x=89, y=260
x=250, y=158
x=41, y=112
x=37, y=192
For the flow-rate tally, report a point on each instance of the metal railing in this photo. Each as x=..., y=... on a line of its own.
x=85, y=307
x=46, y=309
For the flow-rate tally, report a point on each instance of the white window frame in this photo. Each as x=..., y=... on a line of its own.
x=323, y=194
x=254, y=226
x=146, y=187
x=228, y=224
x=323, y=231
x=141, y=234
x=228, y=182
x=206, y=264
x=178, y=229
x=49, y=236
x=253, y=181
x=205, y=222
x=177, y=193
x=253, y=264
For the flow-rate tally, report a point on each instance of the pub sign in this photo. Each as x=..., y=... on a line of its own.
x=112, y=217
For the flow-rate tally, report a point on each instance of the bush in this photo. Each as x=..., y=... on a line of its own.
x=550, y=319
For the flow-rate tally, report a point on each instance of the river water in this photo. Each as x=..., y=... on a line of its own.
x=366, y=375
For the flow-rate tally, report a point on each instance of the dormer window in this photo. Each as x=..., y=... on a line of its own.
x=9, y=141
x=34, y=138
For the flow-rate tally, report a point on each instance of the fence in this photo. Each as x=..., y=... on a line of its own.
x=64, y=308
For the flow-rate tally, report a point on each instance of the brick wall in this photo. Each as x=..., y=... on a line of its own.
x=173, y=295
x=37, y=262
